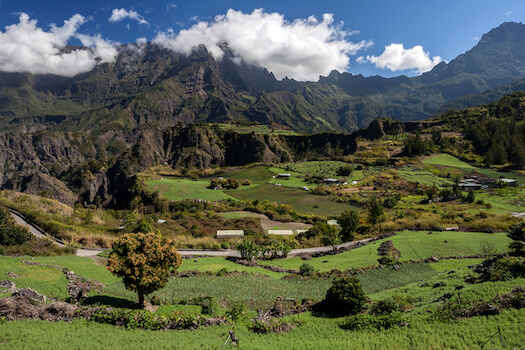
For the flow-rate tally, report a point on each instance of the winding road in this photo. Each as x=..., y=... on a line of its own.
x=21, y=220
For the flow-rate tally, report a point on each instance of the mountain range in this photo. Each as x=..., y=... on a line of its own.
x=155, y=87
x=50, y=123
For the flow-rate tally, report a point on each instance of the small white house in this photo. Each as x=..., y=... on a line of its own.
x=230, y=233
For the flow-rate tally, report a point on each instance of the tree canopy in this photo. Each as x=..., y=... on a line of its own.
x=144, y=261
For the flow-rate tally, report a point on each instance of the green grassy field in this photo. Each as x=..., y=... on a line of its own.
x=316, y=168
x=413, y=245
x=451, y=161
x=412, y=281
x=301, y=201
x=448, y=160
x=257, y=174
x=177, y=189
x=314, y=333
x=296, y=180
x=217, y=263
x=504, y=200
x=423, y=177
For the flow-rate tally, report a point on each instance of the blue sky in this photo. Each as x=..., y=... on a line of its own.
x=383, y=37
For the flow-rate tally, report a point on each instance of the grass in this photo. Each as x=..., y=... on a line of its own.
x=256, y=174
x=451, y=161
x=218, y=263
x=300, y=200
x=411, y=282
x=296, y=180
x=314, y=333
x=504, y=200
x=387, y=278
x=448, y=160
x=316, y=168
x=45, y=280
x=423, y=177
x=251, y=290
x=177, y=189
x=413, y=245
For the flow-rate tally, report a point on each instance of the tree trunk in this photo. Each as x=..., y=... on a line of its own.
x=141, y=299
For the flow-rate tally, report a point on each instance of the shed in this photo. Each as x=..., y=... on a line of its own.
x=283, y=175
x=331, y=181
x=230, y=233
x=508, y=182
x=280, y=232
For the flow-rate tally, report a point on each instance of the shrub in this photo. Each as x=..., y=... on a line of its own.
x=246, y=182
x=249, y=250
x=385, y=307
x=10, y=232
x=237, y=312
x=500, y=269
x=222, y=272
x=306, y=269
x=345, y=297
x=517, y=234
x=225, y=245
x=365, y=321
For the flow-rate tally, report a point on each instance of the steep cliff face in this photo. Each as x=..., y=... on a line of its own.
x=31, y=162
x=201, y=147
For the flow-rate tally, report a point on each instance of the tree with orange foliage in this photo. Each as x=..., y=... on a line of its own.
x=144, y=261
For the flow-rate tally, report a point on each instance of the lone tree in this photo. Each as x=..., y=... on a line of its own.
x=349, y=222
x=144, y=261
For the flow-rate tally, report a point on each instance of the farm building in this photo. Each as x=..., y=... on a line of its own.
x=331, y=181
x=508, y=182
x=283, y=175
x=280, y=232
x=230, y=233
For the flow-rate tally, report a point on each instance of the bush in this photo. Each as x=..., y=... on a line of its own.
x=500, y=269
x=517, y=234
x=237, y=312
x=385, y=307
x=306, y=269
x=10, y=232
x=365, y=321
x=249, y=250
x=345, y=297
x=225, y=245
x=246, y=182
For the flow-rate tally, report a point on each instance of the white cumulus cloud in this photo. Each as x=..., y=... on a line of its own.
x=27, y=48
x=302, y=49
x=397, y=58
x=118, y=15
